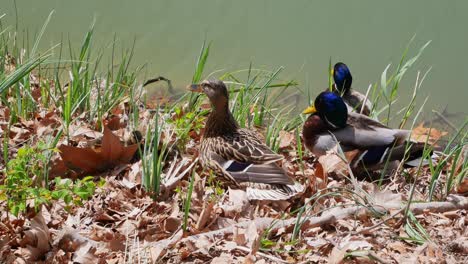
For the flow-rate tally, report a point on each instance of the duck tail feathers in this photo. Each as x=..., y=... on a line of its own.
x=411, y=152
x=273, y=192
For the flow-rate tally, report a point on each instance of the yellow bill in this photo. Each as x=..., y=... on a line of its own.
x=310, y=110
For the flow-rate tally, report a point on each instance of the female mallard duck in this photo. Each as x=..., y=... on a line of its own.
x=330, y=123
x=353, y=99
x=238, y=154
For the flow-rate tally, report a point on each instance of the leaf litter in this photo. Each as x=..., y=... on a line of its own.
x=335, y=220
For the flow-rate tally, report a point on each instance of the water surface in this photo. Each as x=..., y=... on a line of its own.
x=299, y=35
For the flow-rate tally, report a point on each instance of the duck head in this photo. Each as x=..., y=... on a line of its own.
x=342, y=77
x=220, y=121
x=215, y=90
x=331, y=110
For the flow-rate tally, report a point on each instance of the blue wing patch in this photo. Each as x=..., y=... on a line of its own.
x=235, y=166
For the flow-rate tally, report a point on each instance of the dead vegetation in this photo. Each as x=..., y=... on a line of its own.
x=157, y=205
x=337, y=219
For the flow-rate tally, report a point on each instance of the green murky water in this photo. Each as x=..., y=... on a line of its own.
x=299, y=35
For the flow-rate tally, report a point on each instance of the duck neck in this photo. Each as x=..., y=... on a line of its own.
x=220, y=122
x=313, y=127
x=342, y=88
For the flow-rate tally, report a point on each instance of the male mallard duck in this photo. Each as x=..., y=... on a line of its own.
x=237, y=154
x=377, y=143
x=353, y=99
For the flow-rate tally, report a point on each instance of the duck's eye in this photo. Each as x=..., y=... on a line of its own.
x=208, y=90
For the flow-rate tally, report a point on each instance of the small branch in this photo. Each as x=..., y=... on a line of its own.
x=158, y=79
x=379, y=223
x=454, y=203
x=445, y=120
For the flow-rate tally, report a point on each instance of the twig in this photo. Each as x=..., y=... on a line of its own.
x=445, y=120
x=379, y=223
x=264, y=255
x=454, y=203
x=158, y=79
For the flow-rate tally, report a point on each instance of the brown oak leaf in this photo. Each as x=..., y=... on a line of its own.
x=89, y=160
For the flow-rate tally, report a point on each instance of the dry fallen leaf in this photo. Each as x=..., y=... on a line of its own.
x=36, y=240
x=286, y=138
x=253, y=238
x=4, y=114
x=223, y=259
x=462, y=187
x=238, y=203
x=90, y=160
x=238, y=236
x=85, y=254
x=77, y=132
x=387, y=199
x=338, y=253
x=114, y=123
x=158, y=248
x=317, y=178
x=423, y=134
x=205, y=214
x=47, y=123
x=172, y=224
x=333, y=165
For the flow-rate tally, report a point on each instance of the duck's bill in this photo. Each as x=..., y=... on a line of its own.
x=196, y=88
x=310, y=110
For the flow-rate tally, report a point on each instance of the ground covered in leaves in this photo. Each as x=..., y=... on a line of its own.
x=195, y=219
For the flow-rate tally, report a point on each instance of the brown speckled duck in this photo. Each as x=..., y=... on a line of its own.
x=237, y=154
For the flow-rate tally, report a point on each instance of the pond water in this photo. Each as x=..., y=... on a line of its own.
x=299, y=35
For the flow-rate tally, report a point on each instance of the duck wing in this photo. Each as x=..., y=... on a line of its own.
x=245, y=158
x=363, y=132
x=355, y=100
x=262, y=181
x=242, y=172
x=244, y=146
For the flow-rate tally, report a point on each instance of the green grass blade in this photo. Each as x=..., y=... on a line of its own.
x=41, y=33
x=21, y=72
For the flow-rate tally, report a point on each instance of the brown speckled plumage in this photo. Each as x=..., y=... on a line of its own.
x=238, y=155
